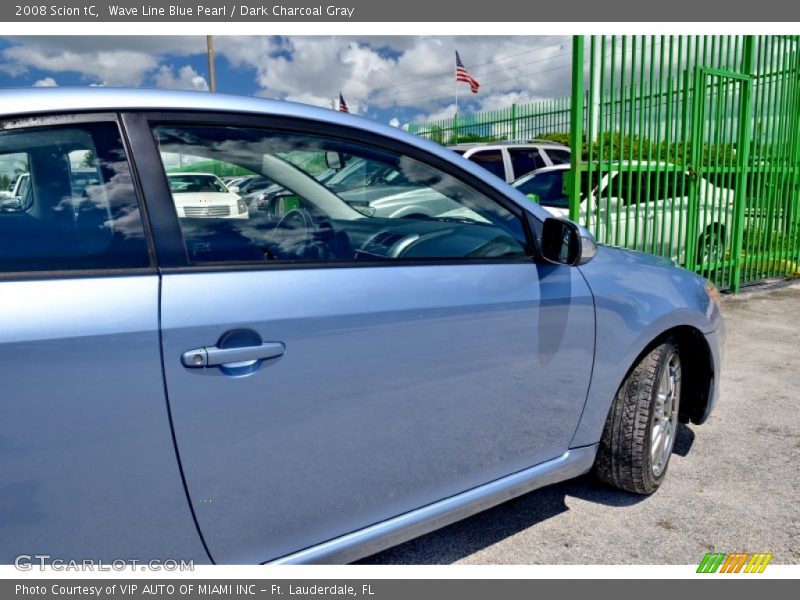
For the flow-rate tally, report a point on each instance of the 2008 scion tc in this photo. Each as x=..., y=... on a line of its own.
x=318, y=380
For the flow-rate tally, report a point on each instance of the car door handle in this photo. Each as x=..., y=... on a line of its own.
x=211, y=356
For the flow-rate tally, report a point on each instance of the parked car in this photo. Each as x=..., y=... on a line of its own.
x=254, y=184
x=203, y=195
x=311, y=384
x=513, y=159
x=637, y=206
x=16, y=188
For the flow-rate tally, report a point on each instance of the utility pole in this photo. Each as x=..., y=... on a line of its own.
x=212, y=78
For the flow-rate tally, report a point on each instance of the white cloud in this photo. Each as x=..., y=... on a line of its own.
x=110, y=60
x=46, y=82
x=186, y=79
x=373, y=72
x=414, y=71
x=445, y=112
x=111, y=67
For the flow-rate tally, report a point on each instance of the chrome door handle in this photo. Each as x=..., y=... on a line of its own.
x=214, y=357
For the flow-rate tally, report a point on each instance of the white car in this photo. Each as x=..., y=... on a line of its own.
x=14, y=198
x=203, y=196
x=642, y=205
x=17, y=187
x=512, y=159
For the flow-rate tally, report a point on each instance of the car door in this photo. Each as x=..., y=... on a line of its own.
x=88, y=465
x=328, y=370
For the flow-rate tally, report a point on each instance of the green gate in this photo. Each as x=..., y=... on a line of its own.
x=689, y=149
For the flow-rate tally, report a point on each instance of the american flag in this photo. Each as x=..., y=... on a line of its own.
x=463, y=75
x=342, y=104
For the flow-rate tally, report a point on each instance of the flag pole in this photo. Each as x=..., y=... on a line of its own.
x=456, y=74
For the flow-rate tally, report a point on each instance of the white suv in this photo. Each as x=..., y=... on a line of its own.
x=511, y=160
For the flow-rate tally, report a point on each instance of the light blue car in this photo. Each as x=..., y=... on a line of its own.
x=314, y=383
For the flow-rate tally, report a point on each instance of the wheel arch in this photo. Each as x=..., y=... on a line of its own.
x=698, y=382
x=697, y=366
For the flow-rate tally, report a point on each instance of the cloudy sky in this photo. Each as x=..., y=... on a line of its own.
x=402, y=79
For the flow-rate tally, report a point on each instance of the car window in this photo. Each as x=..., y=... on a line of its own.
x=491, y=160
x=75, y=206
x=558, y=157
x=525, y=160
x=432, y=215
x=622, y=187
x=548, y=186
x=13, y=169
x=638, y=187
x=189, y=184
x=676, y=185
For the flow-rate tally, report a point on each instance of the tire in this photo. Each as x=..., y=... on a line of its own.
x=641, y=427
x=710, y=248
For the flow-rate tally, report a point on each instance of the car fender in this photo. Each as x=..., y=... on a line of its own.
x=637, y=298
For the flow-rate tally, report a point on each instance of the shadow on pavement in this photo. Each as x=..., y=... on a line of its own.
x=684, y=441
x=471, y=535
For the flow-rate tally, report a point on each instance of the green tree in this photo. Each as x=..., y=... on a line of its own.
x=89, y=161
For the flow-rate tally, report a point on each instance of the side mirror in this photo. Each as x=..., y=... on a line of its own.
x=334, y=160
x=233, y=189
x=565, y=243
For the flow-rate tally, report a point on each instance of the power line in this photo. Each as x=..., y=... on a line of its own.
x=450, y=71
x=428, y=87
x=402, y=97
x=429, y=90
x=430, y=93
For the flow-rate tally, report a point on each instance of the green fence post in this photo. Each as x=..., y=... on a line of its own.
x=576, y=128
x=742, y=160
x=513, y=121
x=455, y=128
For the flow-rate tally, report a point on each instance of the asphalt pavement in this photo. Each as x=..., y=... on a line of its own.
x=733, y=484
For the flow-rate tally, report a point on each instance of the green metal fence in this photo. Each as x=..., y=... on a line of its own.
x=523, y=121
x=689, y=148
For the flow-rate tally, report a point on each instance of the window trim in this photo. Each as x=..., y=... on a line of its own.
x=56, y=119
x=168, y=236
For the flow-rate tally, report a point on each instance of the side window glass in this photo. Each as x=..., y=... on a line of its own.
x=558, y=157
x=491, y=160
x=69, y=202
x=344, y=202
x=677, y=185
x=525, y=160
x=548, y=186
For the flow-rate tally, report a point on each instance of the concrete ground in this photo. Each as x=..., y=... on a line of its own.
x=733, y=485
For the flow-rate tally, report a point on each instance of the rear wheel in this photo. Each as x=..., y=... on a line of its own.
x=642, y=425
x=710, y=249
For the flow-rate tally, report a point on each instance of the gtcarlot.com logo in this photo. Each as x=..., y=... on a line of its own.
x=738, y=562
x=28, y=562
